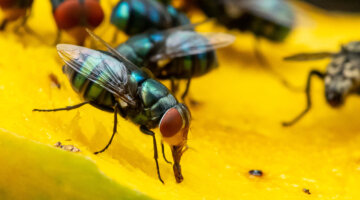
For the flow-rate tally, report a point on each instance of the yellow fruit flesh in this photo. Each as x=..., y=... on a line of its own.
x=235, y=128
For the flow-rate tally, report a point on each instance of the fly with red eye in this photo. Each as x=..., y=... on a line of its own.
x=13, y=10
x=74, y=16
x=110, y=82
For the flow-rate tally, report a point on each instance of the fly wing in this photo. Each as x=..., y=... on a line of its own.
x=128, y=64
x=309, y=56
x=185, y=43
x=278, y=11
x=102, y=69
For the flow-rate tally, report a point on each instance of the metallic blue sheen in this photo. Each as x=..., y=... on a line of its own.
x=129, y=53
x=172, y=11
x=142, y=46
x=139, y=76
x=120, y=15
x=139, y=7
x=154, y=15
x=157, y=37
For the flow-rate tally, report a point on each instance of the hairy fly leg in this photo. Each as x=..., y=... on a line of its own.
x=146, y=131
x=174, y=85
x=117, y=109
x=62, y=109
x=186, y=89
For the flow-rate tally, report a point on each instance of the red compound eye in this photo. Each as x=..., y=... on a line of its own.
x=171, y=123
x=95, y=13
x=72, y=13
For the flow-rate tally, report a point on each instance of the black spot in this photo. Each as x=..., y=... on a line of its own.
x=256, y=172
x=307, y=191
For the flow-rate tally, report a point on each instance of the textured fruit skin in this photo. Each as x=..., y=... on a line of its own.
x=236, y=126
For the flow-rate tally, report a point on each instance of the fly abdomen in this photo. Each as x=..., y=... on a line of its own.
x=271, y=19
x=130, y=53
x=190, y=64
x=89, y=90
x=137, y=49
x=136, y=16
x=187, y=66
x=264, y=28
x=177, y=18
x=203, y=63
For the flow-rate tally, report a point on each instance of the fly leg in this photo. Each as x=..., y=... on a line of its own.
x=3, y=24
x=192, y=101
x=58, y=37
x=163, y=152
x=146, y=131
x=174, y=85
x=186, y=89
x=308, y=98
x=116, y=110
x=61, y=109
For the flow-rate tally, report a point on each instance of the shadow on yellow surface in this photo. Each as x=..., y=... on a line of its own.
x=236, y=127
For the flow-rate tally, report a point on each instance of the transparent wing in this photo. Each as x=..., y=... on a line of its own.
x=309, y=56
x=128, y=64
x=184, y=43
x=278, y=11
x=102, y=69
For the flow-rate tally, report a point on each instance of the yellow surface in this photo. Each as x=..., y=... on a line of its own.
x=36, y=171
x=235, y=128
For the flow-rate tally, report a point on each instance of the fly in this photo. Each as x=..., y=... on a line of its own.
x=108, y=81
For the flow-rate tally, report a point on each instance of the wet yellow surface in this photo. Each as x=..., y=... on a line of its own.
x=235, y=128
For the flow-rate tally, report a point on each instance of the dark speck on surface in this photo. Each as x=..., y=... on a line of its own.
x=255, y=172
x=307, y=191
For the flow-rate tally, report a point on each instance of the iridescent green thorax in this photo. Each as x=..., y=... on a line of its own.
x=156, y=100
